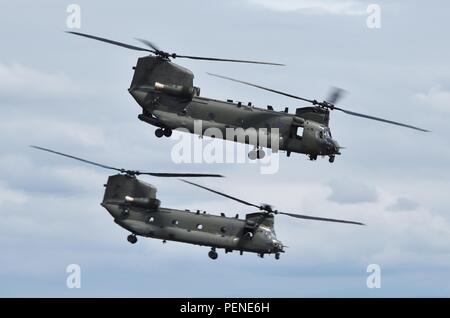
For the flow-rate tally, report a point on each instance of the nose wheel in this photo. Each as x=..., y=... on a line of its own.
x=331, y=159
x=213, y=254
x=132, y=238
x=277, y=255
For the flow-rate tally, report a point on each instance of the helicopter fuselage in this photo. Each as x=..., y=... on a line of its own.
x=198, y=228
x=133, y=205
x=169, y=101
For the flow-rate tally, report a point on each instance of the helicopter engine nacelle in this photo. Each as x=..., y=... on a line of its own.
x=148, y=203
x=175, y=90
x=298, y=121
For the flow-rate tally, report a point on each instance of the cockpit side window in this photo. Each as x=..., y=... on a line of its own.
x=321, y=134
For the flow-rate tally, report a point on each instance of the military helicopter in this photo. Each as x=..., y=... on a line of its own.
x=169, y=100
x=134, y=206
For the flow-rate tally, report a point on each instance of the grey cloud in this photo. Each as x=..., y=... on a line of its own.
x=403, y=204
x=436, y=97
x=352, y=192
x=19, y=81
x=346, y=7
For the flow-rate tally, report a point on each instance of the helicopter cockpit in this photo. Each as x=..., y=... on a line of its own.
x=269, y=239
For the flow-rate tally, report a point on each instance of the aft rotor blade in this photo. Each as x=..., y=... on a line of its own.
x=315, y=218
x=335, y=95
x=264, y=88
x=77, y=158
x=188, y=175
x=149, y=44
x=222, y=194
x=128, y=46
x=132, y=172
x=224, y=60
x=379, y=119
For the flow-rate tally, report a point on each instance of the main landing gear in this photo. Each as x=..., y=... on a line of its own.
x=277, y=255
x=213, y=254
x=132, y=238
x=167, y=132
x=256, y=153
x=314, y=157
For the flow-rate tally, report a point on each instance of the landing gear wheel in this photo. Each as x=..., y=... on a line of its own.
x=159, y=132
x=260, y=154
x=253, y=155
x=213, y=254
x=277, y=255
x=132, y=238
x=167, y=132
x=331, y=160
x=312, y=157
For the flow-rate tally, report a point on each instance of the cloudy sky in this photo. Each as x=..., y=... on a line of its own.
x=70, y=94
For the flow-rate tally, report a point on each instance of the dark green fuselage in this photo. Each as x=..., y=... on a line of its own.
x=166, y=93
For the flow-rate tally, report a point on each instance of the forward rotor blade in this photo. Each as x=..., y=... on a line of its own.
x=225, y=60
x=188, y=175
x=222, y=194
x=379, y=119
x=264, y=88
x=336, y=95
x=315, y=218
x=299, y=216
x=128, y=46
x=77, y=158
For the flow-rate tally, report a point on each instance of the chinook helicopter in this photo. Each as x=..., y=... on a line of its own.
x=169, y=101
x=134, y=206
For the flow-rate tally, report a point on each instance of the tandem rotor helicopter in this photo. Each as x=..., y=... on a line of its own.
x=134, y=206
x=169, y=101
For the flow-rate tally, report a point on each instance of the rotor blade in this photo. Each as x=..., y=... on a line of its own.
x=76, y=158
x=335, y=95
x=307, y=217
x=264, y=88
x=148, y=43
x=222, y=194
x=379, y=119
x=224, y=60
x=128, y=46
x=188, y=175
x=154, y=174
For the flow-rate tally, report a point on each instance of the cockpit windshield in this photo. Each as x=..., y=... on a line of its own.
x=325, y=134
x=268, y=234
